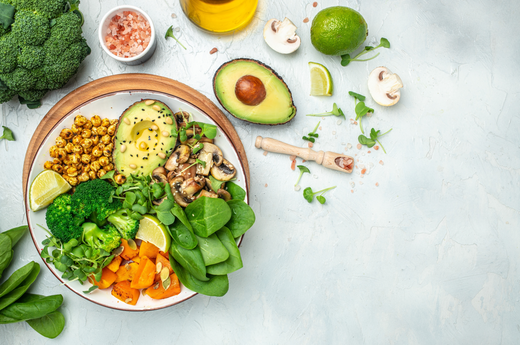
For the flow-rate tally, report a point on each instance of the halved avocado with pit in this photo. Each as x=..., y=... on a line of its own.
x=252, y=91
x=144, y=139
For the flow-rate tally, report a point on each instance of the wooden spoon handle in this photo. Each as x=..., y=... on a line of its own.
x=328, y=159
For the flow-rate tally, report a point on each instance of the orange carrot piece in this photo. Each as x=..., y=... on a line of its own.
x=115, y=263
x=128, y=253
x=126, y=272
x=157, y=290
x=145, y=274
x=124, y=292
x=149, y=250
x=107, y=278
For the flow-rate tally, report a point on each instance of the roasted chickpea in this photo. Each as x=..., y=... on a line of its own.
x=111, y=129
x=94, y=131
x=88, y=150
x=56, y=161
x=80, y=120
x=77, y=149
x=107, y=151
x=75, y=129
x=114, y=121
x=66, y=133
x=77, y=139
x=83, y=177
x=101, y=173
x=60, y=142
x=86, y=168
x=120, y=178
x=58, y=168
x=69, y=147
x=105, y=122
x=95, y=139
x=92, y=175
x=86, y=143
x=101, y=146
x=48, y=165
x=97, y=152
x=75, y=158
x=103, y=161
x=95, y=166
x=73, y=180
x=96, y=121
x=86, y=133
x=85, y=158
x=88, y=125
x=61, y=154
x=66, y=161
x=71, y=171
x=102, y=130
x=53, y=151
x=109, y=167
x=106, y=139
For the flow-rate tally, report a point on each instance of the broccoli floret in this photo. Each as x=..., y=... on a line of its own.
x=31, y=57
x=107, y=239
x=126, y=225
x=21, y=79
x=8, y=54
x=32, y=95
x=64, y=33
x=47, y=8
x=30, y=28
x=66, y=65
x=61, y=221
x=93, y=199
x=6, y=95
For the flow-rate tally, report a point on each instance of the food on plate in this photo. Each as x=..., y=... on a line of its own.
x=45, y=188
x=338, y=30
x=41, y=48
x=83, y=151
x=321, y=80
x=281, y=36
x=128, y=34
x=16, y=305
x=346, y=59
x=144, y=139
x=384, y=86
x=252, y=91
x=127, y=235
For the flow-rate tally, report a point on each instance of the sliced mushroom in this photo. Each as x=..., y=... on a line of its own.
x=207, y=158
x=224, y=172
x=186, y=171
x=183, y=153
x=171, y=163
x=182, y=118
x=207, y=194
x=158, y=201
x=384, y=86
x=281, y=36
x=206, y=140
x=159, y=177
x=215, y=151
x=224, y=194
x=159, y=170
x=192, y=186
x=178, y=195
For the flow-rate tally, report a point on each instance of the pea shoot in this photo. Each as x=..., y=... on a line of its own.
x=169, y=33
x=303, y=169
x=374, y=137
x=312, y=135
x=361, y=109
x=308, y=194
x=335, y=111
x=346, y=59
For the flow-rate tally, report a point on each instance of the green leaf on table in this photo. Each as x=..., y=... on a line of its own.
x=16, y=278
x=32, y=306
x=357, y=96
x=7, y=134
x=16, y=293
x=169, y=33
x=50, y=325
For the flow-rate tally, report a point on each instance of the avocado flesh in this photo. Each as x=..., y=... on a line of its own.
x=276, y=108
x=143, y=143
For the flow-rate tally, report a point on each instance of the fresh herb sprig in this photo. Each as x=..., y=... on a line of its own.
x=169, y=33
x=335, y=111
x=308, y=194
x=346, y=59
x=312, y=135
x=361, y=109
x=303, y=169
x=374, y=137
x=7, y=134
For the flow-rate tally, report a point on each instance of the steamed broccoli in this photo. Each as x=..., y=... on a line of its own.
x=94, y=199
x=126, y=225
x=62, y=222
x=107, y=239
x=41, y=50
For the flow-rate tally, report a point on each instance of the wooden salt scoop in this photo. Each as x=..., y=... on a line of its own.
x=331, y=160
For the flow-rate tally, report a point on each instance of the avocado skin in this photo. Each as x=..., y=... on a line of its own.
x=267, y=68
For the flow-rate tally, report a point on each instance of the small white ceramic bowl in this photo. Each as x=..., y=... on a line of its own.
x=103, y=26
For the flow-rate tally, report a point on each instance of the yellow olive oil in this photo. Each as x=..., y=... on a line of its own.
x=220, y=16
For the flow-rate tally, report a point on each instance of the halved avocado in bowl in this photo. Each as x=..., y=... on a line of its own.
x=252, y=91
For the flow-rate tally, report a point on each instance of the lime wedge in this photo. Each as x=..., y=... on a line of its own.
x=321, y=80
x=153, y=231
x=45, y=188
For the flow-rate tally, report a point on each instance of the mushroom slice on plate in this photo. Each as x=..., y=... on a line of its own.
x=224, y=194
x=224, y=172
x=384, y=86
x=211, y=155
x=281, y=36
x=207, y=194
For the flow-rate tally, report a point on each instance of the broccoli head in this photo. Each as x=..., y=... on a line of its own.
x=47, y=8
x=107, y=239
x=126, y=225
x=30, y=28
x=62, y=222
x=31, y=57
x=8, y=54
x=21, y=79
x=94, y=199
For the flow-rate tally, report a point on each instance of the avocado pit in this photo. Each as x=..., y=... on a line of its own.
x=250, y=90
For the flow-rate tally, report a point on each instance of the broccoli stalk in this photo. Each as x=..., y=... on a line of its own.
x=107, y=239
x=126, y=225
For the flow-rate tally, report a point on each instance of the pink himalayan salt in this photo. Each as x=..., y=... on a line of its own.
x=128, y=34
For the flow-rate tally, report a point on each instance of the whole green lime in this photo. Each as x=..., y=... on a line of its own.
x=338, y=30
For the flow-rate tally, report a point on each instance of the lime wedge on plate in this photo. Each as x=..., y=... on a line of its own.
x=45, y=188
x=153, y=231
x=321, y=80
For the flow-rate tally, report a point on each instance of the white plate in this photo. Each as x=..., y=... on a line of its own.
x=112, y=106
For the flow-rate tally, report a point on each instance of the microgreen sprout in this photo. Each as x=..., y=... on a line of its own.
x=303, y=169
x=312, y=135
x=361, y=109
x=335, y=111
x=308, y=194
x=197, y=161
x=7, y=134
x=346, y=59
x=169, y=33
x=374, y=137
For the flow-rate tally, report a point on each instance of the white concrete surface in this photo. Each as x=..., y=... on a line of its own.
x=430, y=256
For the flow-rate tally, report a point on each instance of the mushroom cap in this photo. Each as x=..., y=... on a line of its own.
x=281, y=36
x=384, y=86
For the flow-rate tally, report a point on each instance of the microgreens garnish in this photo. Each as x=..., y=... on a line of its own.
x=303, y=169
x=361, y=109
x=308, y=194
x=374, y=137
x=335, y=111
x=346, y=59
x=169, y=33
x=312, y=135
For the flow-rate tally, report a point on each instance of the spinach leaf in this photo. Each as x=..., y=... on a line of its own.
x=181, y=235
x=163, y=212
x=6, y=319
x=16, y=278
x=50, y=325
x=178, y=212
x=213, y=251
x=234, y=262
x=242, y=217
x=215, y=286
x=6, y=252
x=12, y=296
x=31, y=306
x=16, y=234
x=190, y=259
x=207, y=215
x=237, y=192
x=215, y=184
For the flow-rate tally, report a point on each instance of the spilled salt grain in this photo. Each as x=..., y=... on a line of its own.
x=358, y=146
x=333, y=132
x=377, y=184
x=293, y=157
x=265, y=185
x=339, y=122
x=213, y=51
x=297, y=187
x=174, y=15
x=352, y=184
x=310, y=144
x=306, y=20
x=314, y=4
x=381, y=162
x=351, y=191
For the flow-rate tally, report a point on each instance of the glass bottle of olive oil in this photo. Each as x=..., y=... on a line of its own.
x=220, y=16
